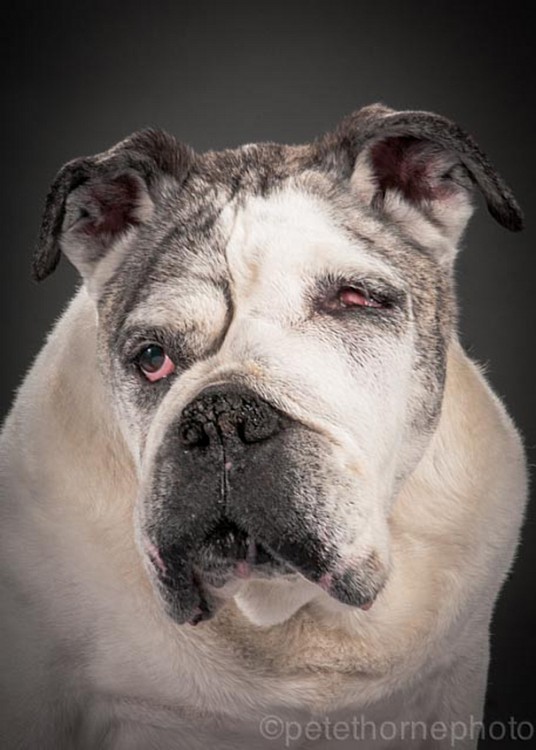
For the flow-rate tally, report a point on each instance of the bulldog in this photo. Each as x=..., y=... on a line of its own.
x=252, y=487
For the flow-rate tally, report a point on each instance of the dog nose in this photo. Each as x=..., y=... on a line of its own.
x=228, y=413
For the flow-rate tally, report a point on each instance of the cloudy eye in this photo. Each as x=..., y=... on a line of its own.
x=349, y=296
x=154, y=363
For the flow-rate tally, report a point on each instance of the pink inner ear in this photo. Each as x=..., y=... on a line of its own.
x=112, y=206
x=408, y=164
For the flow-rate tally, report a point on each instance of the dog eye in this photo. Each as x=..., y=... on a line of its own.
x=154, y=363
x=349, y=296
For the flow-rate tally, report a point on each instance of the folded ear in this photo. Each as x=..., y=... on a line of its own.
x=418, y=169
x=94, y=202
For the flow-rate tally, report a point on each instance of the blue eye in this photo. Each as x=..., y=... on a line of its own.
x=151, y=359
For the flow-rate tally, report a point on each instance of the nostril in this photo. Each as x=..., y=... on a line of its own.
x=228, y=415
x=258, y=427
x=241, y=430
x=194, y=436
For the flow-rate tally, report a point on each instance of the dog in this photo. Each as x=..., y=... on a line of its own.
x=253, y=489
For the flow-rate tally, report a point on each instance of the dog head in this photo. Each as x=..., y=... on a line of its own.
x=273, y=324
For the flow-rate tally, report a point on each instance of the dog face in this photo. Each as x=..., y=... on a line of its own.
x=273, y=324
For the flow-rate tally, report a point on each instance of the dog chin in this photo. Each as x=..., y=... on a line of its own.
x=265, y=598
x=273, y=601
x=266, y=588
x=267, y=602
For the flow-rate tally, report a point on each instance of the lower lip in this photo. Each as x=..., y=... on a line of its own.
x=325, y=583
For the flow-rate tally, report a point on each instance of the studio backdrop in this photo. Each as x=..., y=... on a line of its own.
x=77, y=77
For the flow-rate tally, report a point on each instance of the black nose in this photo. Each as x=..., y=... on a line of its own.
x=227, y=413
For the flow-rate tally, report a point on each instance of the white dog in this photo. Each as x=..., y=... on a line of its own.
x=256, y=418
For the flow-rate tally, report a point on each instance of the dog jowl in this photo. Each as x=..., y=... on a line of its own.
x=273, y=327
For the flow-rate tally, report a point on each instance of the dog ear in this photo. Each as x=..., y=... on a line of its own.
x=94, y=202
x=417, y=168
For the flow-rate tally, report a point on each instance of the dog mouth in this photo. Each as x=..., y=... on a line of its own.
x=230, y=551
x=228, y=554
x=194, y=589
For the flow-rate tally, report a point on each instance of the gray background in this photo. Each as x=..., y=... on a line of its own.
x=79, y=76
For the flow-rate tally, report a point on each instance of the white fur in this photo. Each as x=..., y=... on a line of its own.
x=86, y=641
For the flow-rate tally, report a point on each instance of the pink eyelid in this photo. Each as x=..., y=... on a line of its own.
x=167, y=368
x=354, y=298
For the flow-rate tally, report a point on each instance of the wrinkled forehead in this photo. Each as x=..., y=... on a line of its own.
x=265, y=254
x=221, y=240
x=283, y=240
